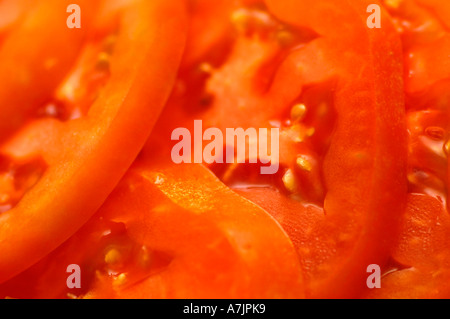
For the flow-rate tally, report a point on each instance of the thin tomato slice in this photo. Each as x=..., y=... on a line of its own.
x=170, y=231
x=220, y=245
x=87, y=157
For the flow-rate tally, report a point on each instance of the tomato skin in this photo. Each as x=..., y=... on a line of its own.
x=118, y=121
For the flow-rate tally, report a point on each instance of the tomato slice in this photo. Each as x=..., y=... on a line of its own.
x=354, y=63
x=336, y=159
x=362, y=158
x=420, y=259
x=172, y=231
x=80, y=171
x=226, y=248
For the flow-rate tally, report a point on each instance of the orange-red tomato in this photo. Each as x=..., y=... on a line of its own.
x=86, y=175
x=420, y=265
x=75, y=171
x=327, y=158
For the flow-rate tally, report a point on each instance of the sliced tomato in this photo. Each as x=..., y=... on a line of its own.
x=172, y=231
x=83, y=159
x=260, y=84
x=226, y=247
x=337, y=204
x=336, y=95
x=420, y=261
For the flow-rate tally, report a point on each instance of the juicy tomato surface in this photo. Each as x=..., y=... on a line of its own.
x=87, y=137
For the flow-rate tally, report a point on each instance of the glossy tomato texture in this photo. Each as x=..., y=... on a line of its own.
x=225, y=149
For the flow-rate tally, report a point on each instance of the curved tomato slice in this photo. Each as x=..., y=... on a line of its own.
x=80, y=171
x=226, y=247
x=171, y=232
